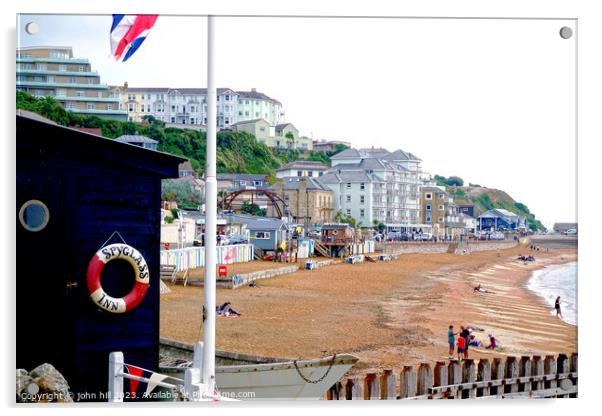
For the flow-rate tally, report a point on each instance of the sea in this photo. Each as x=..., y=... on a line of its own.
x=557, y=280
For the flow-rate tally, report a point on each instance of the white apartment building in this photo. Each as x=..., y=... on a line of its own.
x=376, y=185
x=188, y=106
x=301, y=168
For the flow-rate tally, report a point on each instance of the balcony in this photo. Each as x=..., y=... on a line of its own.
x=33, y=84
x=59, y=73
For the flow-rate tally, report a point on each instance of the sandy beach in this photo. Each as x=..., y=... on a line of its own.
x=388, y=314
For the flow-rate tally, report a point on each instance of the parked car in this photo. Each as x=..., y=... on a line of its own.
x=423, y=237
x=237, y=239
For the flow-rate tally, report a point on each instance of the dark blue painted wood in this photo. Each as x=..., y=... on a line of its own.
x=92, y=187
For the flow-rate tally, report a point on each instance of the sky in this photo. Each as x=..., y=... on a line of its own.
x=491, y=101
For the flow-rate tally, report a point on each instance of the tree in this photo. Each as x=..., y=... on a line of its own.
x=180, y=191
x=253, y=209
x=290, y=140
x=345, y=219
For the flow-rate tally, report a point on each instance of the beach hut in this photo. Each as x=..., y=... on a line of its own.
x=78, y=193
x=337, y=234
x=268, y=234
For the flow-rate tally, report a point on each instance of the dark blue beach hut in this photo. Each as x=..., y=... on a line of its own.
x=74, y=190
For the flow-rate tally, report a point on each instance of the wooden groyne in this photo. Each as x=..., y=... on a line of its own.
x=514, y=377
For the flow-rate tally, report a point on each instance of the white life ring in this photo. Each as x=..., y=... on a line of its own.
x=102, y=257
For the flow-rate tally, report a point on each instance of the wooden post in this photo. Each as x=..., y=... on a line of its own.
x=550, y=368
x=484, y=374
x=387, y=385
x=371, y=387
x=574, y=362
x=407, y=382
x=349, y=389
x=357, y=389
x=574, y=370
x=537, y=370
x=441, y=377
x=511, y=372
x=469, y=375
x=425, y=379
x=525, y=371
x=455, y=376
x=563, y=367
x=497, y=373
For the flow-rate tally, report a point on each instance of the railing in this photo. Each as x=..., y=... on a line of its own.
x=189, y=389
x=527, y=377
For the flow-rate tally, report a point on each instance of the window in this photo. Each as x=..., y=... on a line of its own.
x=131, y=107
x=428, y=220
x=91, y=106
x=362, y=186
x=109, y=106
x=348, y=185
x=348, y=212
x=428, y=207
x=173, y=120
x=362, y=212
x=257, y=183
x=362, y=199
x=34, y=215
x=173, y=108
x=80, y=68
x=72, y=80
x=41, y=67
x=440, y=219
x=262, y=235
x=246, y=113
x=310, y=173
x=69, y=105
x=256, y=113
x=428, y=195
x=441, y=208
x=348, y=198
x=227, y=97
x=240, y=113
x=286, y=197
x=63, y=68
x=299, y=173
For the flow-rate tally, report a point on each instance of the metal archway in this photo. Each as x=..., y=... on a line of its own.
x=226, y=202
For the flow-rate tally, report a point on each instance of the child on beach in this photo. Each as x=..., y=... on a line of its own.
x=451, y=340
x=557, y=307
x=461, y=347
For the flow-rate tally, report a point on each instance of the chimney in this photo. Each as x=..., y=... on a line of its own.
x=125, y=85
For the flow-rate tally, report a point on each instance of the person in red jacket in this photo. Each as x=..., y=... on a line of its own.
x=461, y=347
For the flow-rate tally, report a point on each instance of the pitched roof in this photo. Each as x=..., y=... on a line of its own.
x=265, y=224
x=165, y=90
x=311, y=184
x=300, y=164
x=346, y=154
x=283, y=125
x=240, y=177
x=335, y=177
x=254, y=95
x=255, y=120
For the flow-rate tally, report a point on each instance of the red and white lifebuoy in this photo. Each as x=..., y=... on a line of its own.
x=102, y=257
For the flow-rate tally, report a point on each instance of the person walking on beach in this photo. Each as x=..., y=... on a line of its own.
x=451, y=338
x=557, y=307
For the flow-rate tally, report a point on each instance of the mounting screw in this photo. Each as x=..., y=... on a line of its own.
x=32, y=28
x=566, y=32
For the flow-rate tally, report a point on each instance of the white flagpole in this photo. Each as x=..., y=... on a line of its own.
x=210, y=218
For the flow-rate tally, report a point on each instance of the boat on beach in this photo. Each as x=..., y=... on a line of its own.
x=307, y=379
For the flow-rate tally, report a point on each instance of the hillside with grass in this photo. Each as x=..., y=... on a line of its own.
x=485, y=199
x=237, y=152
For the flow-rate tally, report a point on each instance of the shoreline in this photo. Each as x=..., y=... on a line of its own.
x=388, y=314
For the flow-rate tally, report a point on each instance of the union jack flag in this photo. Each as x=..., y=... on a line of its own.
x=128, y=31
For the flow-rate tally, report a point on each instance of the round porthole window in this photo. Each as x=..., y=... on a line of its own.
x=34, y=215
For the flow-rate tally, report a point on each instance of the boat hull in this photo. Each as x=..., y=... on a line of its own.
x=308, y=380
